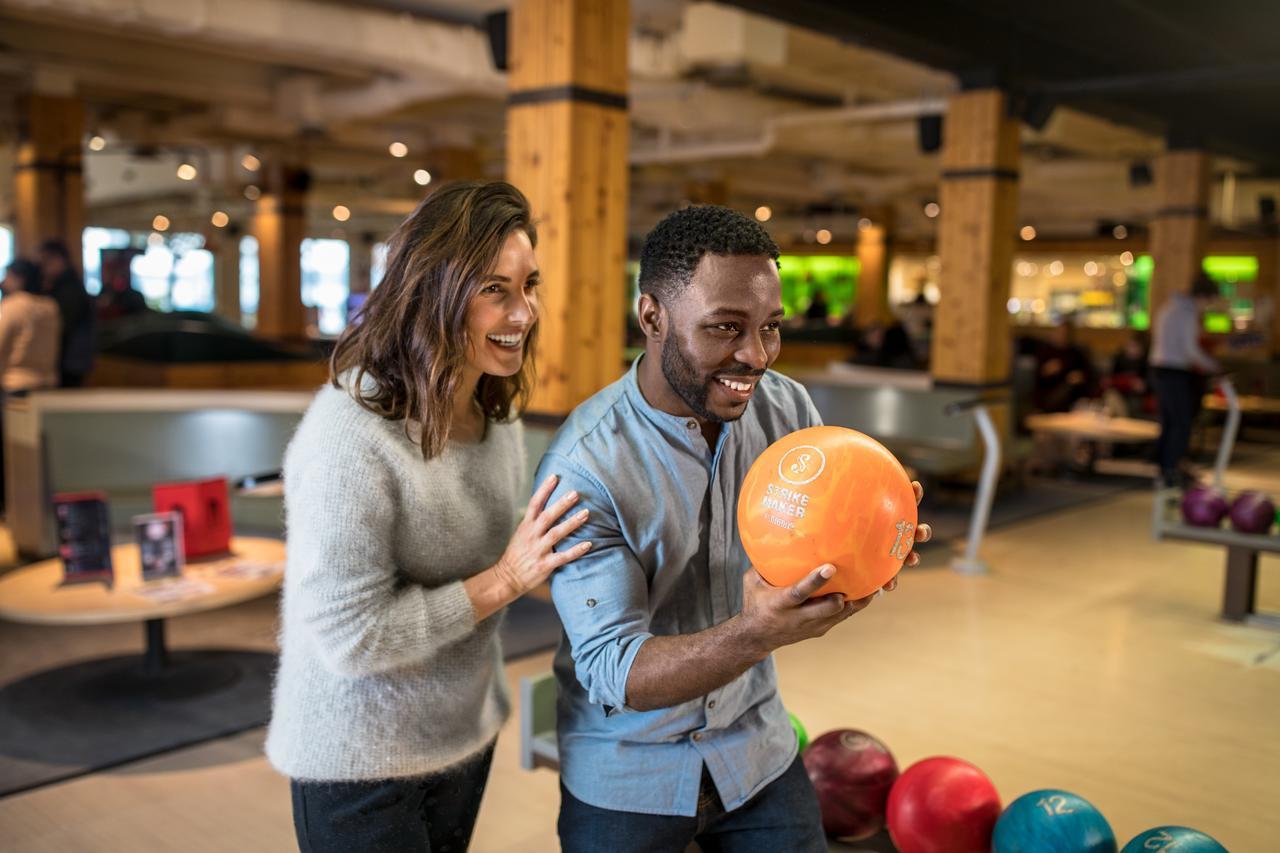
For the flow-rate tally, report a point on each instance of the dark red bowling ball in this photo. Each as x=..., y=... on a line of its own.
x=1253, y=512
x=943, y=805
x=852, y=773
x=1203, y=506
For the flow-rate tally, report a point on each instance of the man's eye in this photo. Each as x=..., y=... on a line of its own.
x=726, y=327
x=772, y=327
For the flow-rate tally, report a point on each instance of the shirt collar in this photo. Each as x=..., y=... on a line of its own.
x=682, y=428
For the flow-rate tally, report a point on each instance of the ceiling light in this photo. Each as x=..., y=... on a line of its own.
x=1028, y=232
x=422, y=177
x=763, y=214
x=398, y=149
x=219, y=219
x=341, y=212
x=160, y=223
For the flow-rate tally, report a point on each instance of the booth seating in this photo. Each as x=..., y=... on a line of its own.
x=122, y=442
x=903, y=411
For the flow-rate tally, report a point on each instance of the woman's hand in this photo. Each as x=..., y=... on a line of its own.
x=530, y=557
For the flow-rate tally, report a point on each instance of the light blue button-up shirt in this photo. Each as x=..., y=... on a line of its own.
x=666, y=560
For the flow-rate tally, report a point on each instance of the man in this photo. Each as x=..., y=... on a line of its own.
x=670, y=725
x=1175, y=357
x=76, y=308
x=1065, y=372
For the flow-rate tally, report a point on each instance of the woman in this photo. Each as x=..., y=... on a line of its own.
x=30, y=329
x=401, y=488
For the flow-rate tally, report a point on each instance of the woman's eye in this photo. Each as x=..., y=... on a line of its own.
x=531, y=284
x=493, y=288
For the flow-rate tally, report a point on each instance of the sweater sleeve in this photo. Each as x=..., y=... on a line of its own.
x=364, y=618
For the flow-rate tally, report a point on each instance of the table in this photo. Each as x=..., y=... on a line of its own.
x=35, y=594
x=1093, y=428
x=1240, y=581
x=1250, y=404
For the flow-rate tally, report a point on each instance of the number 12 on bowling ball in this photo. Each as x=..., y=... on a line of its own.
x=828, y=495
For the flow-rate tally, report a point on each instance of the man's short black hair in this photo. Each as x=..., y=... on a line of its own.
x=677, y=243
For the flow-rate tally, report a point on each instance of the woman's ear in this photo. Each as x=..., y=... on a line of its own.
x=652, y=316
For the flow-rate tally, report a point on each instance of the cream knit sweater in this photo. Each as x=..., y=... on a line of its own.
x=383, y=670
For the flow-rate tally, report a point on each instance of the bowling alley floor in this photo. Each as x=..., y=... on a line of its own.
x=1091, y=658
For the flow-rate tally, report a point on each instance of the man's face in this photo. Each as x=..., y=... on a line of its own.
x=722, y=334
x=51, y=266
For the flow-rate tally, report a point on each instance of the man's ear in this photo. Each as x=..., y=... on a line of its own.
x=653, y=317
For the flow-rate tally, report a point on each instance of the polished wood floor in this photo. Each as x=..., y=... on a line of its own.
x=1090, y=659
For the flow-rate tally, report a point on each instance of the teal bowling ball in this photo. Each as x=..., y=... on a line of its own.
x=1052, y=821
x=1174, y=839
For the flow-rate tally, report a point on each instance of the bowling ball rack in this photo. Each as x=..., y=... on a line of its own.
x=1240, y=583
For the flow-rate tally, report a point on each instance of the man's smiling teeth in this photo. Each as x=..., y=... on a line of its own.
x=506, y=340
x=735, y=386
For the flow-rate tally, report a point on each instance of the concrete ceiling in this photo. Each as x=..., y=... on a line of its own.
x=817, y=128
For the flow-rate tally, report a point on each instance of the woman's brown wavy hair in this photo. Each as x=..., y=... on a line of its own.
x=410, y=337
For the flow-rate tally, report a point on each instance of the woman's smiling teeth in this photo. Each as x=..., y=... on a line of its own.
x=508, y=341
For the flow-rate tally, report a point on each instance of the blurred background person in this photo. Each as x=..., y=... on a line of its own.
x=1178, y=367
x=1064, y=372
x=63, y=283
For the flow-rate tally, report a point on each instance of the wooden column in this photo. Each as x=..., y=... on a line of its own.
x=872, y=297
x=567, y=150
x=1266, y=297
x=48, y=180
x=225, y=246
x=279, y=223
x=1180, y=230
x=979, y=198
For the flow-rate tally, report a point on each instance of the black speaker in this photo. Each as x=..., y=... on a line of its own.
x=1140, y=175
x=930, y=133
x=1267, y=209
x=1037, y=109
x=495, y=24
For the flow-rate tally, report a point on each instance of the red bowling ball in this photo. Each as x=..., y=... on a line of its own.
x=852, y=773
x=943, y=805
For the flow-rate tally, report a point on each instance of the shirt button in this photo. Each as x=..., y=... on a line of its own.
x=691, y=424
x=697, y=736
x=711, y=704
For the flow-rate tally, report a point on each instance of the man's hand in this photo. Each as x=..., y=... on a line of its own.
x=775, y=616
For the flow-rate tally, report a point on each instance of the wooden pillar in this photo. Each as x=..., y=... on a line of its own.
x=279, y=223
x=567, y=150
x=48, y=180
x=707, y=192
x=872, y=298
x=979, y=198
x=1266, y=297
x=225, y=246
x=1180, y=230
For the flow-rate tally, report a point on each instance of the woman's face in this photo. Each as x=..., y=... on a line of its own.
x=502, y=313
x=10, y=284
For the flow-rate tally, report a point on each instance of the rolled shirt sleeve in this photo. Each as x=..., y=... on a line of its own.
x=602, y=597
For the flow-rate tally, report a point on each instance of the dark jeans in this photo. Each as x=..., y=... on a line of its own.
x=435, y=814
x=1176, y=394
x=782, y=817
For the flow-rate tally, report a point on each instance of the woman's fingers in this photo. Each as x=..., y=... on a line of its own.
x=566, y=527
x=553, y=513
x=919, y=491
x=540, y=497
x=924, y=532
x=568, y=555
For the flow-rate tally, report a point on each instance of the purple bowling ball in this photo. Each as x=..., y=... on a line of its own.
x=1253, y=512
x=1203, y=506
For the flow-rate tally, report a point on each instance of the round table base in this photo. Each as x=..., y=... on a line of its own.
x=100, y=713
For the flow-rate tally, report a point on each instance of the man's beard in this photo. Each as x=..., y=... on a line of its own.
x=689, y=386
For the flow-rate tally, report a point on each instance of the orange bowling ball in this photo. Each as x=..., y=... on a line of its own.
x=828, y=495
